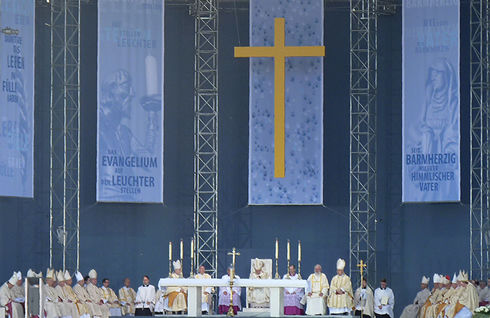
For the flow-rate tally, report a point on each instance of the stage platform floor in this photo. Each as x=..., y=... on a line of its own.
x=252, y=315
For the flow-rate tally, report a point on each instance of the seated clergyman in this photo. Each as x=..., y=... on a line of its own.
x=317, y=292
x=293, y=296
x=110, y=298
x=177, y=296
x=206, y=291
x=258, y=297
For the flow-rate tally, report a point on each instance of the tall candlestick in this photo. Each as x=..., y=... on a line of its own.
x=299, y=251
x=181, y=249
x=192, y=248
x=192, y=257
x=277, y=248
x=169, y=251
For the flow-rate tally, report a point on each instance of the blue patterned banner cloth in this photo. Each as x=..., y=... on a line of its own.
x=130, y=103
x=431, y=102
x=17, y=98
x=303, y=179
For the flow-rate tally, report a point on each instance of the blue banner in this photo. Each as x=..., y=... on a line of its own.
x=302, y=182
x=17, y=98
x=130, y=102
x=431, y=101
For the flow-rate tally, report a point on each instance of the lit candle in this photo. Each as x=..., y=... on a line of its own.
x=169, y=251
x=289, y=251
x=192, y=248
x=181, y=249
x=277, y=248
x=299, y=251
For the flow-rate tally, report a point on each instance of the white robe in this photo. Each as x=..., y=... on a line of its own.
x=364, y=301
x=7, y=296
x=412, y=310
x=51, y=302
x=224, y=300
x=206, y=299
x=386, y=299
x=316, y=304
x=145, y=295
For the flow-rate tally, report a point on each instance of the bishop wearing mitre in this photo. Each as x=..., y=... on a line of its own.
x=317, y=292
x=67, y=308
x=412, y=310
x=206, y=291
x=80, y=309
x=7, y=298
x=340, y=294
x=51, y=298
x=96, y=294
x=258, y=297
x=84, y=297
x=177, y=296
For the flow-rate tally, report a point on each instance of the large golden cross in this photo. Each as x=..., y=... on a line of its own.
x=233, y=254
x=279, y=52
x=361, y=266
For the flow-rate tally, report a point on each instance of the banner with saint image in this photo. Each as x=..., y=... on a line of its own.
x=431, y=101
x=17, y=22
x=130, y=101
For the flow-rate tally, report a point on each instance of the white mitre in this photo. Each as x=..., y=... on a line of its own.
x=78, y=276
x=92, y=274
x=257, y=264
x=31, y=273
x=60, y=276
x=340, y=264
x=425, y=280
x=177, y=264
x=50, y=274
x=436, y=279
x=13, y=279
x=19, y=275
x=67, y=275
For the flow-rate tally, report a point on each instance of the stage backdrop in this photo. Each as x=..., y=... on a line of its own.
x=17, y=98
x=303, y=180
x=130, y=103
x=431, y=116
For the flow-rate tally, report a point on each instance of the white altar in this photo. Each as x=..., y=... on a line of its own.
x=195, y=289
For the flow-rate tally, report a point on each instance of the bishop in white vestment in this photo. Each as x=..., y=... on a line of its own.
x=50, y=296
x=258, y=297
x=66, y=308
x=293, y=297
x=80, y=310
x=412, y=310
x=19, y=289
x=176, y=296
x=96, y=295
x=384, y=301
x=84, y=297
x=364, y=300
x=145, y=298
x=340, y=294
x=206, y=291
x=7, y=298
x=317, y=293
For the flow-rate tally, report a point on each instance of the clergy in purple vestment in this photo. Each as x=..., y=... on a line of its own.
x=293, y=297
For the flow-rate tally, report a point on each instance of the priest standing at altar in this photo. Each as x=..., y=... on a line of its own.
x=293, y=297
x=224, y=295
x=340, y=294
x=317, y=293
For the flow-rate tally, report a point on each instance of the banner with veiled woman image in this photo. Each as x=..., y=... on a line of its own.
x=431, y=101
x=130, y=101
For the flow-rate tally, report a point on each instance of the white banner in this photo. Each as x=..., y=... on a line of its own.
x=130, y=101
x=431, y=101
x=17, y=98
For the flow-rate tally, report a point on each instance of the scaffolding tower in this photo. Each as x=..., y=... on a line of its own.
x=363, y=86
x=479, y=139
x=64, y=191
x=206, y=134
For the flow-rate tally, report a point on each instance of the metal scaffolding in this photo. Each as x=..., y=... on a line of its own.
x=64, y=238
x=206, y=134
x=479, y=139
x=363, y=86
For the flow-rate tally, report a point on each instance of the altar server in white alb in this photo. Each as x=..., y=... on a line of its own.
x=145, y=298
x=317, y=292
x=293, y=297
x=412, y=310
x=225, y=294
x=384, y=301
x=7, y=298
x=364, y=300
x=206, y=291
x=340, y=293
